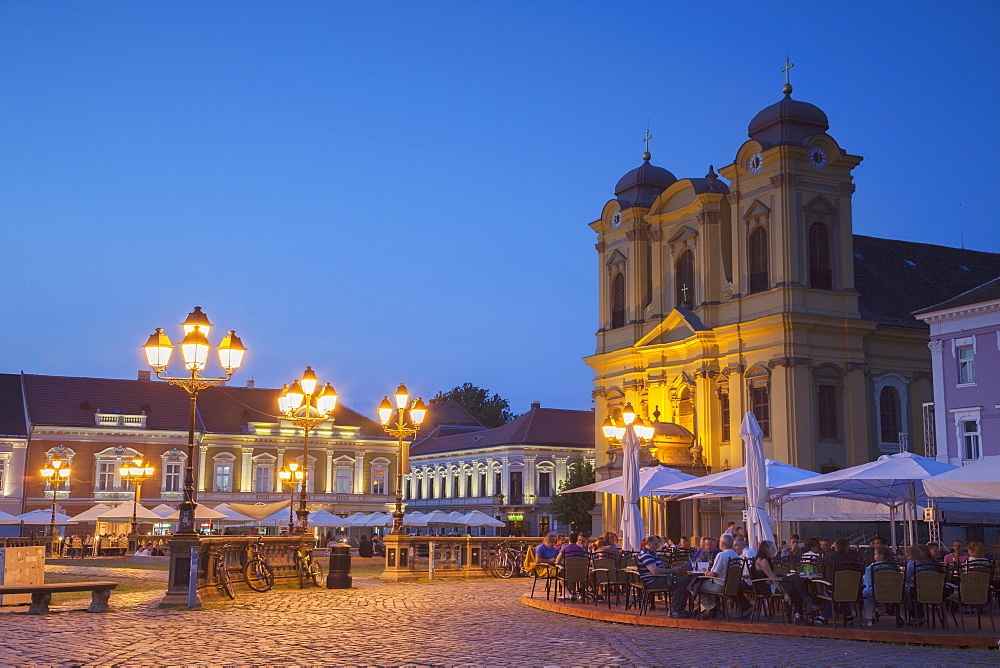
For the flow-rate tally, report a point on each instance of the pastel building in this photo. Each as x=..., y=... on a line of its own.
x=965, y=354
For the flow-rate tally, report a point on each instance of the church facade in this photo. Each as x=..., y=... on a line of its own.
x=755, y=295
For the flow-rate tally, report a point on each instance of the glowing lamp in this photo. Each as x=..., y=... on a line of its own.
x=283, y=400
x=326, y=402
x=293, y=466
x=294, y=396
x=385, y=411
x=231, y=352
x=194, y=350
x=402, y=397
x=418, y=412
x=628, y=414
x=309, y=381
x=608, y=428
x=196, y=320
x=158, y=349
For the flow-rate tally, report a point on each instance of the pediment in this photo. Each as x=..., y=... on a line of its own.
x=677, y=326
x=616, y=258
x=756, y=210
x=820, y=205
x=682, y=234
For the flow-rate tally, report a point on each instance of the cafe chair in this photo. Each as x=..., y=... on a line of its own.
x=730, y=591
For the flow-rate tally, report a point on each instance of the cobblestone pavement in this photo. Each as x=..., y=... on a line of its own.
x=476, y=623
x=96, y=572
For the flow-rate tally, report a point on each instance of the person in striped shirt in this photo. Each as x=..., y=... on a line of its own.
x=657, y=576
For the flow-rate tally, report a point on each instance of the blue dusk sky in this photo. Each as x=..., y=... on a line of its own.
x=401, y=191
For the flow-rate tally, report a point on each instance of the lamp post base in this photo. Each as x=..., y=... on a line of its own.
x=179, y=583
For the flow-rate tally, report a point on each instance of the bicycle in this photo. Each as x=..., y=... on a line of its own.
x=507, y=562
x=307, y=567
x=257, y=573
x=220, y=571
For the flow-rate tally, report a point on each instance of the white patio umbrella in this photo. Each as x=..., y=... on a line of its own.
x=758, y=521
x=632, y=528
x=91, y=514
x=324, y=518
x=734, y=481
x=414, y=519
x=201, y=512
x=7, y=518
x=356, y=520
x=163, y=509
x=441, y=517
x=231, y=515
x=478, y=518
x=980, y=480
x=378, y=520
x=43, y=516
x=123, y=513
x=895, y=480
x=650, y=478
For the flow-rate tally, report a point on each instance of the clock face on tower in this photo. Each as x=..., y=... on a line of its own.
x=616, y=220
x=756, y=162
x=817, y=157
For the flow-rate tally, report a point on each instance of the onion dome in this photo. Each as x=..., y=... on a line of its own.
x=788, y=121
x=642, y=185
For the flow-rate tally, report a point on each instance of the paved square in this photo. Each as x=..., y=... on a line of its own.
x=452, y=623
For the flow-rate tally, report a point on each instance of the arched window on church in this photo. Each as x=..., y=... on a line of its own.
x=757, y=255
x=820, y=274
x=684, y=280
x=618, y=301
x=890, y=418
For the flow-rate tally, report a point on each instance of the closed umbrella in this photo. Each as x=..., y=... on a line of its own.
x=632, y=528
x=758, y=521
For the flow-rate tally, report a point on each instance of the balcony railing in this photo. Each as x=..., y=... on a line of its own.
x=120, y=420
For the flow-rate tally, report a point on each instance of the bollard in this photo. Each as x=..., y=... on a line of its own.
x=340, y=568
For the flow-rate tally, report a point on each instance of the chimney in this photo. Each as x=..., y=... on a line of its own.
x=144, y=375
x=536, y=404
x=250, y=384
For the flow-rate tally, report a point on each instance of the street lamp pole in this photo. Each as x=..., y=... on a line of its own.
x=407, y=422
x=54, y=474
x=137, y=473
x=291, y=476
x=306, y=405
x=194, y=350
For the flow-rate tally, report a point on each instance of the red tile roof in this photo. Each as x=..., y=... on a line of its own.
x=539, y=426
x=72, y=401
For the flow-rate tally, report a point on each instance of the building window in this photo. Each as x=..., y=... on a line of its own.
x=966, y=369
x=761, y=409
x=544, y=483
x=172, y=472
x=725, y=417
x=430, y=488
x=820, y=274
x=223, y=475
x=498, y=483
x=482, y=484
x=379, y=474
x=343, y=480
x=970, y=440
x=890, y=415
x=420, y=489
x=3, y=475
x=468, y=483
x=262, y=477
x=758, y=260
x=516, y=488
x=107, y=476
x=827, y=412
x=684, y=280
x=618, y=301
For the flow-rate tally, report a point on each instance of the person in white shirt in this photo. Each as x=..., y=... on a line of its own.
x=718, y=572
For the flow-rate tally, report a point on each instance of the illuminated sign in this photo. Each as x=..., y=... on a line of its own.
x=515, y=518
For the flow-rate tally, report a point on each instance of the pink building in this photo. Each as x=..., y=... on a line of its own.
x=965, y=353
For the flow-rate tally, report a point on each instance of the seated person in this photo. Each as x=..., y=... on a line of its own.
x=977, y=555
x=794, y=547
x=577, y=547
x=705, y=554
x=882, y=559
x=957, y=555
x=546, y=552
x=792, y=587
x=657, y=576
x=717, y=573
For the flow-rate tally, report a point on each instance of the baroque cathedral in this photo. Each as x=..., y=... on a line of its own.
x=755, y=295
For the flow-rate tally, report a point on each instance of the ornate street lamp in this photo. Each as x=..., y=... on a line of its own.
x=194, y=350
x=306, y=405
x=291, y=475
x=55, y=473
x=615, y=433
x=407, y=423
x=136, y=473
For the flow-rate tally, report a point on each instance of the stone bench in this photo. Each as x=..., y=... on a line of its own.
x=41, y=594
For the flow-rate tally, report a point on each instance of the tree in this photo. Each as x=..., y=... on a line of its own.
x=574, y=509
x=490, y=411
